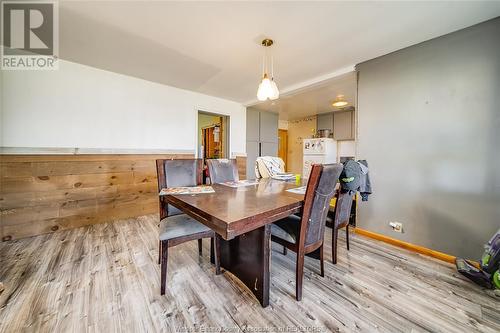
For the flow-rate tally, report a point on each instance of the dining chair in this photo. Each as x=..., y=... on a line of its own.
x=268, y=166
x=342, y=215
x=304, y=234
x=176, y=227
x=222, y=170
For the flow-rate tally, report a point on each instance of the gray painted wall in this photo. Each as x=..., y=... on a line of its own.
x=429, y=126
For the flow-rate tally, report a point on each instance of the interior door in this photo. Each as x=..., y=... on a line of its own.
x=211, y=147
x=283, y=145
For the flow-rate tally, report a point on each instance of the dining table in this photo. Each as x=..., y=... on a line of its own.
x=242, y=218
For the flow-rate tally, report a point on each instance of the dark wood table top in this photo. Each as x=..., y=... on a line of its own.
x=233, y=211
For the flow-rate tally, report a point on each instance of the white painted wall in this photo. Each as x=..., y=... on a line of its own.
x=83, y=107
x=283, y=124
x=346, y=148
x=1, y=108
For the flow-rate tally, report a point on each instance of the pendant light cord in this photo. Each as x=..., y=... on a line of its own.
x=263, y=65
x=272, y=68
x=266, y=58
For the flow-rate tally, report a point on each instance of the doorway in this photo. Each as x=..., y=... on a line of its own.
x=283, y=146
x=213, y=138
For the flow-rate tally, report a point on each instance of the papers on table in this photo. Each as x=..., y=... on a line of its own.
x=283, y=176
x=187, y=190
x=241, y=183
x=298, y=190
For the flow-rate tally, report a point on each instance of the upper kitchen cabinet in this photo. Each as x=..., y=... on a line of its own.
x=343, y=125
x=325, y=121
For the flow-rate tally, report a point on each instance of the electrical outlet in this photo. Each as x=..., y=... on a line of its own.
x=396, y=226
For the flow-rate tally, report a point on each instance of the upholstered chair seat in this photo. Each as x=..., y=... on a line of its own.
x=180, y=226
x=287, y=229
x=176, y=227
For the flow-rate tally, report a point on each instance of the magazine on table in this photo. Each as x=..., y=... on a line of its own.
x=298, y=190
x=283, y=176
x=241, y=183
x=202, y=189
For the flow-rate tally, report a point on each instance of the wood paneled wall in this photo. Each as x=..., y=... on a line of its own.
x=241, y=162
x=45, y=193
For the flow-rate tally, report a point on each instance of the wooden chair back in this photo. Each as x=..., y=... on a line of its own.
x=343, y=210
x=222, y=170
x=176, y=173
x=320, y=190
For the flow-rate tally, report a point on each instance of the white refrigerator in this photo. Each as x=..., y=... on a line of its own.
x=318, y=151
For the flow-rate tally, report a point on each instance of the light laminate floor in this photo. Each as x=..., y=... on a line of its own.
x=104, y=278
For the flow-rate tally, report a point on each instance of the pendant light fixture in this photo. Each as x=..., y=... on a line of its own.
x=267, y=87
x=339, y=101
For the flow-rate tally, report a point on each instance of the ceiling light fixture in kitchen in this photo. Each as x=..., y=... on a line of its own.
x=339, y=101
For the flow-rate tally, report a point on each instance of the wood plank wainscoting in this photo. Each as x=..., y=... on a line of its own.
x=44, y=193
x=241, y=162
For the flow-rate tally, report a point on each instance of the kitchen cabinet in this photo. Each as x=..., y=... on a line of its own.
x=253, y=127
x=262, y=137
x=268, y=122
x=343, y=125
x=325, y=121
x=340, y=123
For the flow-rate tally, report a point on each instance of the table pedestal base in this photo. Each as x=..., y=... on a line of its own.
x=248, y=258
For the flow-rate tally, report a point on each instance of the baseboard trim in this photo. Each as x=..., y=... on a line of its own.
x=409, y=246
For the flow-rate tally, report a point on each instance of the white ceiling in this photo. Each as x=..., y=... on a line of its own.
x=313, y=100
x=214, y=47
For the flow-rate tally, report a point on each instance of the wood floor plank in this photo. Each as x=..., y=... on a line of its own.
x=105, y=278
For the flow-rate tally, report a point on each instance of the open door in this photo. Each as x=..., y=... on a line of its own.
x=283, y=145
x=211, y=142
x=213, y=138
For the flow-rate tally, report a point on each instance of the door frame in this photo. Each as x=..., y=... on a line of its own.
x=226, y=132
